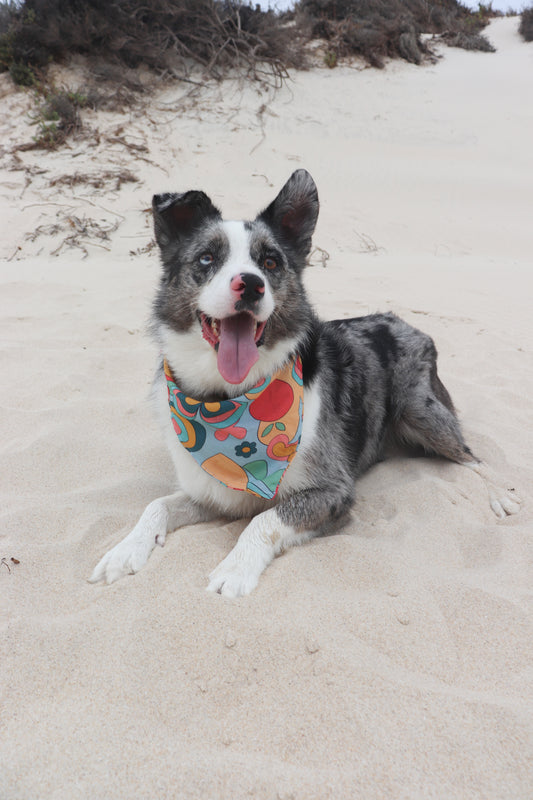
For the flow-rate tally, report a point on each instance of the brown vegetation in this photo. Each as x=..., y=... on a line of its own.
x=381, y=29
x=167, y=36
x=171, y=36
x=526, y=24
x=76, y=232
x=106, y=179
x=468, y=41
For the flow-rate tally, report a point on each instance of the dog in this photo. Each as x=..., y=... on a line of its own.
x=267, y=411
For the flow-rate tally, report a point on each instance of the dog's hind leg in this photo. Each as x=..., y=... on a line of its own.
x=425, y=416
x=428, y=419
x=503, y=502
x=159, y=518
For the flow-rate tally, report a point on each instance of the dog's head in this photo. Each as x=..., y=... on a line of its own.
x=235, y=285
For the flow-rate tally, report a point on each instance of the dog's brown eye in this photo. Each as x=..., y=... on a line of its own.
x=206, y=259
x=270, y=263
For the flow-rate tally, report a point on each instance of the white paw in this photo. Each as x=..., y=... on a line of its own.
x=126, y=558
x=233, y=577
x=504, y=502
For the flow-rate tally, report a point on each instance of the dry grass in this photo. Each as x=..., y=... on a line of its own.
x=110, y=180
x=75, y=233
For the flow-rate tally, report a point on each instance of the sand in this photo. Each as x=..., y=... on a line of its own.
x=393, y=660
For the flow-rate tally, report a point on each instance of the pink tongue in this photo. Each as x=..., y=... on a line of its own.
x=237, y=351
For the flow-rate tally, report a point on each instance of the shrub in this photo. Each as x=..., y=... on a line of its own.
x=166, y=35
x=58, y=117
x=169, y=36
x=22, y=74
x=469, y=41
x=526, y=24
x=380, y=29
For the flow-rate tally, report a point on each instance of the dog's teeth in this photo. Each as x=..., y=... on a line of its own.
x=214, y=327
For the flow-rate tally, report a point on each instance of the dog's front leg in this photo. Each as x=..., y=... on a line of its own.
x=263, y=538
x=294, y=521
x=159, y=518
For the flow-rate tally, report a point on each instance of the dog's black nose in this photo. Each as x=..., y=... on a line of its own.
x=249, y=289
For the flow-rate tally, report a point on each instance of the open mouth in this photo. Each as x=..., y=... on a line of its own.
x=211, y=328
x=235, y=340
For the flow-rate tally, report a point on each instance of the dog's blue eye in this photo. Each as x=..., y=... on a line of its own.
x=206, y=259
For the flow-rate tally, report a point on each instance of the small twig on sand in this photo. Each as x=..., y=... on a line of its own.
x=324, y=255
x=260, y=175
x=259, y=114
x=103, y=208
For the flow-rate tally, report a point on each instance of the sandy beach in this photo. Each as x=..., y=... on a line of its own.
x=393, y=660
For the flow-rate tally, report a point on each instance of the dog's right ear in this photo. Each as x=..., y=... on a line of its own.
x=178, y=215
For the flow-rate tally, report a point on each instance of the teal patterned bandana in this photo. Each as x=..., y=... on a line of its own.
x=247, y=442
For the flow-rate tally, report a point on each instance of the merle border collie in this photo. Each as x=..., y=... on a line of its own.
x=269, y=412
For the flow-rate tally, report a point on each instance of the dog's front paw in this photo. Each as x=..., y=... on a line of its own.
x=233, y=577
x=126, y=558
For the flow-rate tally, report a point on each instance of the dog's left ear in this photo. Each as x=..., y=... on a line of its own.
x=294, y=212
x=178, y=215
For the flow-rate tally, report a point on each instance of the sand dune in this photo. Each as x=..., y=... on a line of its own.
x=391, y=661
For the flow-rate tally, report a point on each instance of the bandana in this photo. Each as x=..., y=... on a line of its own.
x=247, y=442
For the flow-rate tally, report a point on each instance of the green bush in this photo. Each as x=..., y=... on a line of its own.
x=22, y=74
x=58, y=117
